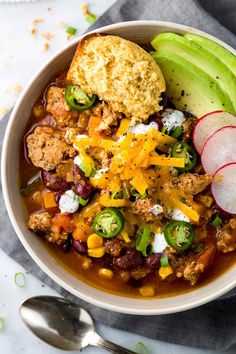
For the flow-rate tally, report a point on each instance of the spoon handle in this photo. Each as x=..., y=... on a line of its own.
x=98, y=341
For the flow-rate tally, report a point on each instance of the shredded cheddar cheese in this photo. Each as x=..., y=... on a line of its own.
x=131, y=158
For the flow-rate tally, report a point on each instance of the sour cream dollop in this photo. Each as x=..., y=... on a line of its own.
x=159, y=243
x=178, y=215
x=69, y=202
x=143, y=128
x=173, y=120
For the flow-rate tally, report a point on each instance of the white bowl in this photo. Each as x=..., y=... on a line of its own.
x=141, y=32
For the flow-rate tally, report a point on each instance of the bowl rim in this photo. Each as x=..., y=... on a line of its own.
x=46, y=269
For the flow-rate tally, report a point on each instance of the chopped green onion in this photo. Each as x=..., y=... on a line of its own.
x=143, y=238
x=31, y=187
x=1, y=324
x=82, y=201
x=91, y=18
x=86, y=169
x=164, y=261
x=217, y=221
x=118, y=194
x=140, y=348
x=164, y=130
x=19, y=279
x=177, y=132
x=136, y=194
x=71, y=30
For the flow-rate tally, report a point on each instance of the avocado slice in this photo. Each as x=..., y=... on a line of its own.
x=202, y=59
x=190, y=88
x=216, y=49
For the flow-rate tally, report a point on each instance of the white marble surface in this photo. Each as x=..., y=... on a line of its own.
x=21, y=55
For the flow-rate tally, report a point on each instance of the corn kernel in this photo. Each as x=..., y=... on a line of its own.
x=37, y=111
x=164, y=272
x=86, y=264
x=125, y=236
x=94, y=241
x=106, y=273
x=206, y=200
x=147, y=291
x=96, y=252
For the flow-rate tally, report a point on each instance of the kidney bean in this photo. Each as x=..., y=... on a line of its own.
x=158, y=120
x=83, y=189
x=57, y=197
x=56, y=184
x=80, y=247
x=67, y=245
x=153, y=261
x=77, y=171
x=130, y=260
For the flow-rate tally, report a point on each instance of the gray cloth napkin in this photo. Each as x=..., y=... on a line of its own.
x=212, y=326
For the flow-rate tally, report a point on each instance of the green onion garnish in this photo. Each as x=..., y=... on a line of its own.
x=90, y=18
x=82, y=201
x=71, y=30
x=1, y=324
x=19, y=279
x=217, y=221
x=118, y=194
x=164, y=261
x=135, y=193
x=84, y=167
x=177, y=132
x=140, y=348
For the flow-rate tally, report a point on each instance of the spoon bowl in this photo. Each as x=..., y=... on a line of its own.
x=63, y=324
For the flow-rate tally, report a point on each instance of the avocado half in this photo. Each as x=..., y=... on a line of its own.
x=196, y=80
x=216, y=49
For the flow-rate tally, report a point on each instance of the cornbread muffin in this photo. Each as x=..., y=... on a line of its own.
x=119, y=72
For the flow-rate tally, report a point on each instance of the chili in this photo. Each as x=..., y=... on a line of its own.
x=77, y=99
x=183, y=149
x=108, y=223
x=179, y=235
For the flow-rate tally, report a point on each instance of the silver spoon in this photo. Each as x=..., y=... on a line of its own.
x=63, y=324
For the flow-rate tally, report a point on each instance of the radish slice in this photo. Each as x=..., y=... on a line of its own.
x=208, y=124
x=219, y=149
x=224, y=187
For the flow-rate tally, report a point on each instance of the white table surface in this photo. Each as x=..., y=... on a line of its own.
x=21, y=54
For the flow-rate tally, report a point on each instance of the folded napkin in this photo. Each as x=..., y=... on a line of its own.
x=212, y=326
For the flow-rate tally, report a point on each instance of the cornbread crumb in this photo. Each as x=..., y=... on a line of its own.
x=37, y=21
x=33, y=31
x=3, y=110
x=120, y=73
x=62, y=25
x=45, y=47
x=16, y=89
x=48, y=36
x=84, y=9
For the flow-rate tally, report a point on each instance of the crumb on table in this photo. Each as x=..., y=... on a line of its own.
x=37, y=21
x=48, y=36
x=3, y=110
x=45, y=46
